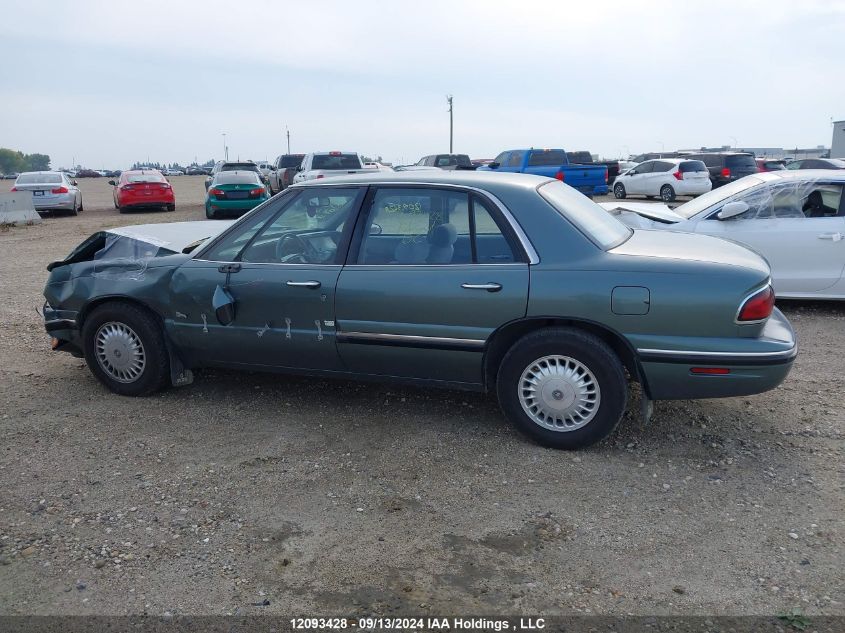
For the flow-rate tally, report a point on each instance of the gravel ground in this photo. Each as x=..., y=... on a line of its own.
x=322, y=497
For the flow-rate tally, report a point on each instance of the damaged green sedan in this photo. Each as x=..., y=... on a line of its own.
x=504, y=283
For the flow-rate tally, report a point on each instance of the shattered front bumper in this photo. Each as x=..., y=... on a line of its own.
x=62, y=326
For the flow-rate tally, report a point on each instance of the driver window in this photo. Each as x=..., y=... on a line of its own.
x=307, y=231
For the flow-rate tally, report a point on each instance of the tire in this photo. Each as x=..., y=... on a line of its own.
x=75, y=210
x=122, y=209
x=171, y=207
x=116, y=326
x=619, y=191
x=563, y=350
x=211, y=215
x=667, y=193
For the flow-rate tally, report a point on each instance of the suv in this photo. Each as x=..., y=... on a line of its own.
x=222, y=165
x=725, y=167
x=446, y=161
x=666, y=177
x=282, y=171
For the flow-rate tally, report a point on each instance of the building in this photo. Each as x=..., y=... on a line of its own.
x=820, y=151
x=837, y=145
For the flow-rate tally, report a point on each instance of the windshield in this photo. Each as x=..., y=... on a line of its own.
x=32, y=179
x=148, y=177
x=715, y=196
x=336, y=161
x=601, y=227
x=292, y=160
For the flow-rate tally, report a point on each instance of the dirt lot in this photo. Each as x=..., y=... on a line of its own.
x=343, y=498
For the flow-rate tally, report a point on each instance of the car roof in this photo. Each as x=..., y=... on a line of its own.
x=140, y=171
x=674, y=161
x=25, y=173
x=482, y=179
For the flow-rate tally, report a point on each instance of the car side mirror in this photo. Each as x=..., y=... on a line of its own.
x=224, y=306
x=375, y=229
x=732, y=209
x=494, y=165
x=299, y=168
x=111, y=182
x=74, y=183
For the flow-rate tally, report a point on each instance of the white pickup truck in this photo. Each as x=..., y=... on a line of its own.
x=327, y=164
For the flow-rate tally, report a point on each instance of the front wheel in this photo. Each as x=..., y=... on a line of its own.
x=667, y=194
x=563, y=387
x=125, y=349
x=171, y=207
x=619, y=190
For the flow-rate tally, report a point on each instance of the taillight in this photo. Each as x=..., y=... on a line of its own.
x=605, y=175
x=165, y=185
x=320, y=176
x=13, y=189
x=678, y=175
x=726, y=173
x=59, y=190
x=127, y=188
x=559, y=175
x=214, y=191
x=255, y=193
x=758, y=306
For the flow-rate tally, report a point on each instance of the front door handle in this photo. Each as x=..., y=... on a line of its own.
x=304, y=284
x=489, y=287
x=830, y=236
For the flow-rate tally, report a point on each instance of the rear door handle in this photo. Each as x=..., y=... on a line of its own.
x=304, y=284
x=830, y=236
x=489, y=287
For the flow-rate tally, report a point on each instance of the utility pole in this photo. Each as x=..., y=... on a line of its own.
x=225, y=148
x=287, y=133
x=451, y=124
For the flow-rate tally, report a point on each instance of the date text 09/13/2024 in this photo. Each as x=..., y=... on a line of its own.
x=421, y=624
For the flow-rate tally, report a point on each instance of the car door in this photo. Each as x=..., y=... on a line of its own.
x=278, y=269
x=798, y=227
x=433, y=271
x=656, y=178
x=635, y=182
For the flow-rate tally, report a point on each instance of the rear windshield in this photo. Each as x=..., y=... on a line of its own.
x=292, y=160
x=448, y=160
x=37, y=179
x=601, y=227
x=336, y=161
x=692, y=165
x=239, y=167
x=774, y=165
x=584, y=158
x=233, y=177
x=150, y=176
x=547, y=157
x=745, y=161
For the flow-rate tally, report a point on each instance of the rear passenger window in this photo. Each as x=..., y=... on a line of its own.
x=659, y=166
x=515, y=159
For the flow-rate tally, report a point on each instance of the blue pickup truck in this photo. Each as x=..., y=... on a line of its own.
x=591, y=180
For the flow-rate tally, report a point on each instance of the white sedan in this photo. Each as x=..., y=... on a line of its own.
x=796, y=219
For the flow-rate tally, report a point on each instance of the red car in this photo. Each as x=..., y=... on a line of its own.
x=142, y=189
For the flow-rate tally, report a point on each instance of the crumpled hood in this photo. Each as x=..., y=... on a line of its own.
x=173, y=236
x=648, y=210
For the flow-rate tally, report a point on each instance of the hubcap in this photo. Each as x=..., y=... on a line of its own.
x=120, y=352
x=559, y=393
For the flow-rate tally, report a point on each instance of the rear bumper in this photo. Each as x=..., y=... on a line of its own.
x=592, y=190
x=755, y=366
x=693, y=188
x=158, y=200
x=62, y=201
x=222, y=207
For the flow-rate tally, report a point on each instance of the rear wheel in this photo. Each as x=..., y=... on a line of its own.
x=123, y=209
x=562, y=387
x=619, y=190
x=210, y=214
x=171, y=207
x=667, y=193
x=125, y=349
x=75, y=210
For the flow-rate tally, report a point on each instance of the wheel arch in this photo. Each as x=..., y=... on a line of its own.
x=505, y=336
x=98, y=301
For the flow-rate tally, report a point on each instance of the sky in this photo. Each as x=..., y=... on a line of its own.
x=106, y=84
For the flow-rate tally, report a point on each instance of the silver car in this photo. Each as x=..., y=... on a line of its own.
x=51, y=191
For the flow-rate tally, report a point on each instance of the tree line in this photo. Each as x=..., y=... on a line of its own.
x=13, y=161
